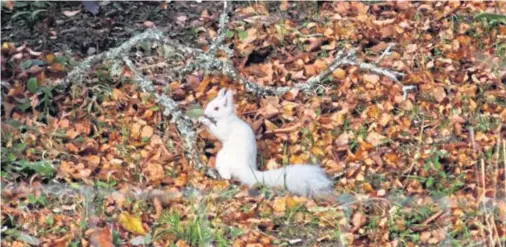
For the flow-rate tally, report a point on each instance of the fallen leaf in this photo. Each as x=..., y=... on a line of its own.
x=339, y=74
x=101, y=237
x=439, y=94
x=146, y=132
x=149, y=24
x=375, y=139
x=283, y=6
x=131, y=223
x=279, y=204
x=69, y=13
x=371, y=78
x=154, y=172
x=358, y=221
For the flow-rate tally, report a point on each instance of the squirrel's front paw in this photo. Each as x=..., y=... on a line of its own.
x=205, y=121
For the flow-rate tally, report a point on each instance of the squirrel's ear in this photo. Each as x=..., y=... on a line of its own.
x=229, y=99
x=221, y=93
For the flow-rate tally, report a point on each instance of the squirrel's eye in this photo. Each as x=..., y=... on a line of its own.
x=216, y=108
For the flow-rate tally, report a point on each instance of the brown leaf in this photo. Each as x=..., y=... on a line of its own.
x=439, y=94
x=101, y=237
x=71, y=133
x=154, y=172
x=371, y=78
x=93, y=160
x=425, y=236
x=375, y=139
x=270, y=127
x=342, y=140
x=358, y=221
x=283, y=6
x=158, y=207
x=117, y=94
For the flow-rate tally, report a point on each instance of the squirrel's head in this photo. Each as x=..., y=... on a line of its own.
x=220, y=107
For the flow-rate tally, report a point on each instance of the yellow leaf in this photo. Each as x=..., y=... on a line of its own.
x=50, y=58
x=131, y=223
x=279, y=204
x=117, y=94
x=293, y=202
x=317, y=151
x=269, y=126
x=339, y=74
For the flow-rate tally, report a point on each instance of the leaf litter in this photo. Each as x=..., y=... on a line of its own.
x=423, y=167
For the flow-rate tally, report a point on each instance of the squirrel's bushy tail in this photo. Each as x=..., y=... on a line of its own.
x=304, y=180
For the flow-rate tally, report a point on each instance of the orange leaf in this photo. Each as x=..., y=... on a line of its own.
x=56, y=67
x=101, y=237
x=93, y=160
x=203, y=84
x=181, y=180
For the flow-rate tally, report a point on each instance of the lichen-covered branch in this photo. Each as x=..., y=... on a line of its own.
x=392, y=75
x=78, y=72
x=209, y=62
x=222, y=30
x=339, y=60
x=183, y=123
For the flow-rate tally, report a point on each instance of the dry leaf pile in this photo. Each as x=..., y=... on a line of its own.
x=99, y=165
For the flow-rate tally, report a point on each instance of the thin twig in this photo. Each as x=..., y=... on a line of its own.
x=385, y=52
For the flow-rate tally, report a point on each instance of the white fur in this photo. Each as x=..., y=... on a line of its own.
x=237, y=158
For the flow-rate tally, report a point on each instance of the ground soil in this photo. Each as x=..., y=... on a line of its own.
x=46, y=27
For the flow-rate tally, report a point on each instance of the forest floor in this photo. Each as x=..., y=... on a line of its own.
x=98, y=164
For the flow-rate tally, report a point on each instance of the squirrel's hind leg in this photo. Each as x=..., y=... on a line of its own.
x=221, y=166
x=224, y=172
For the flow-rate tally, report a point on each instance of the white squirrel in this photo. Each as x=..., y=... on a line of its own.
x=237, y=157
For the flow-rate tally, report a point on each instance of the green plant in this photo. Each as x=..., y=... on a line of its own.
x=31, y=12
x=194, y=231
